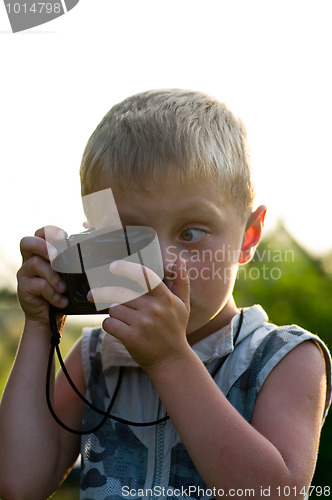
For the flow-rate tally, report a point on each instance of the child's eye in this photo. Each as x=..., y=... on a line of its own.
x=192, y=234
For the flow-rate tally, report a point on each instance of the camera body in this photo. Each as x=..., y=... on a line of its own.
x=83, y=261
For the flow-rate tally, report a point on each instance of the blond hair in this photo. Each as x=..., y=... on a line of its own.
x=190, y=134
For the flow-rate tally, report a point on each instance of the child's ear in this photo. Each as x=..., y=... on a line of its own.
x=253, y=234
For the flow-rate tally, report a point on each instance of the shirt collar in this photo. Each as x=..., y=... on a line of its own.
x=221, y=342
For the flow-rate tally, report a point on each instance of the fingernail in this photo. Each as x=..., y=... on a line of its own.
x=62, y=286
x=61, y=235
x=90, y=296
x=113, y=265
x=183, y=262
x=52, y=252
x=64, y=301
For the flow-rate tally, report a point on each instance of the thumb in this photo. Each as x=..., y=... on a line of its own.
x=181, y=283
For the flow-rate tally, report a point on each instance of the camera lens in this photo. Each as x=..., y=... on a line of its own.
x=82, y=286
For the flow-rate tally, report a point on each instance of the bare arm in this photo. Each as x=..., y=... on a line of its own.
x=279, y=448
x=35, y=452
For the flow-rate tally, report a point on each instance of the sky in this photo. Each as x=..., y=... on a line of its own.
x=268, y=61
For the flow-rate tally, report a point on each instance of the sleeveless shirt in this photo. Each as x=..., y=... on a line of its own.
x=125, y=461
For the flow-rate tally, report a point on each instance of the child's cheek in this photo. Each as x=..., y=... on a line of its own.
x=200, y=274
x=210, y=275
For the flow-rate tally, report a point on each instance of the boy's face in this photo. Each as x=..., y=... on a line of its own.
x=199, y=225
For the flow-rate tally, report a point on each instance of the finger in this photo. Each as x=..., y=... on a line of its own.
x=38, y=267
x=55, y=240
x=110, y=294
x=142, y=275
x=39, y=287
x=32, y=245
x=122, y=313
x=117, y=328
x=181, y=282
x=51, y=233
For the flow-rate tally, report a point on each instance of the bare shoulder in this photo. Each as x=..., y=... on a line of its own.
x=301, y=373
x=290, y=407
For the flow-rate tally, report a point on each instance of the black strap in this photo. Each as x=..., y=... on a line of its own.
x=55, y=341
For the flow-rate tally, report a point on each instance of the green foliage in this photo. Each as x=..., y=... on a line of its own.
x=292, y=287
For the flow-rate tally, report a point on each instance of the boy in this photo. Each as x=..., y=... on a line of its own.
x=246, y=399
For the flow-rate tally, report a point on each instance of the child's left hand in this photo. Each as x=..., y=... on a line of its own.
x=152, y=326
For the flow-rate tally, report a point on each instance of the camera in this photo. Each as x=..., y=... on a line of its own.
x=83, y=261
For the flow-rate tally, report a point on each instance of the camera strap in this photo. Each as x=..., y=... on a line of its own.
x=55, y=341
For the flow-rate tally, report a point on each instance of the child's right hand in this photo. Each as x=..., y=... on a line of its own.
x=38, y=284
